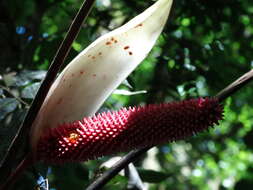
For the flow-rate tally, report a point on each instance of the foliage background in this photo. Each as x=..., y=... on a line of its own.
x=204, y=47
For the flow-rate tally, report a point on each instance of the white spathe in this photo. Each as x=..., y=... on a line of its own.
x=91, y=77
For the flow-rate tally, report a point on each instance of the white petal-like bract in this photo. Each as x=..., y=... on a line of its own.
x=90, y=78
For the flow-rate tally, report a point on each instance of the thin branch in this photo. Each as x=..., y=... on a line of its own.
x=109, y=174
x=23, y=132
x=133, y=155
x=26, y=162
x=235, y=86
x=14, y=96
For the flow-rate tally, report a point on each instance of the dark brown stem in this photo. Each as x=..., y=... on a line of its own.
x=133, y=155
x=22, y=135
x=235, y=86
x=108, y=175
x=25, y=163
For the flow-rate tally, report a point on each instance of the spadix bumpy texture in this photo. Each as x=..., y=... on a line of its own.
x=91, y=77
x=127, y=129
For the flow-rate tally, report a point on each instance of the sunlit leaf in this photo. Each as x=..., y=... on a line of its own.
x=127, y=84
x=30, y=91
x=32, y=75
x=127, y=92
x=7, y=105
x=25, y=77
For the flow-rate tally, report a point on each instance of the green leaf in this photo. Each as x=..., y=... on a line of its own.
x=30, y=91
x=7, y=105
x=35, y=75
x=152, y=176
x=27, y=76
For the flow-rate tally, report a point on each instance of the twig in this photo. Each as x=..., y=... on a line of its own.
x=23, y=132
x=133, y=155
x=235, y=86
x=26, y=162
x=109, y=174
x=14, y=96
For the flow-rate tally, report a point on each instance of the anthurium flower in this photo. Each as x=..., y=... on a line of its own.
x=90, y=78
x=127, y=129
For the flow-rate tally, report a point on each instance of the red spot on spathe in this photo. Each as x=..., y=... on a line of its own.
x=59, y=101
x=100, y=53
x=108, y=43
x=94, y=75
x=81, y=72
x=126, y=48
x=139, y=25
x=114, y=40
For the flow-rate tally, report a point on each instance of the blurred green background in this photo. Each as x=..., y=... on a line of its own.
x=205, y=46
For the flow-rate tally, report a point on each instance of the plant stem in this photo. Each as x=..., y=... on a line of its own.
x=109, y=174
x=25, y=163
x=133, y=155
x=10, y=159
x=235, y=86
